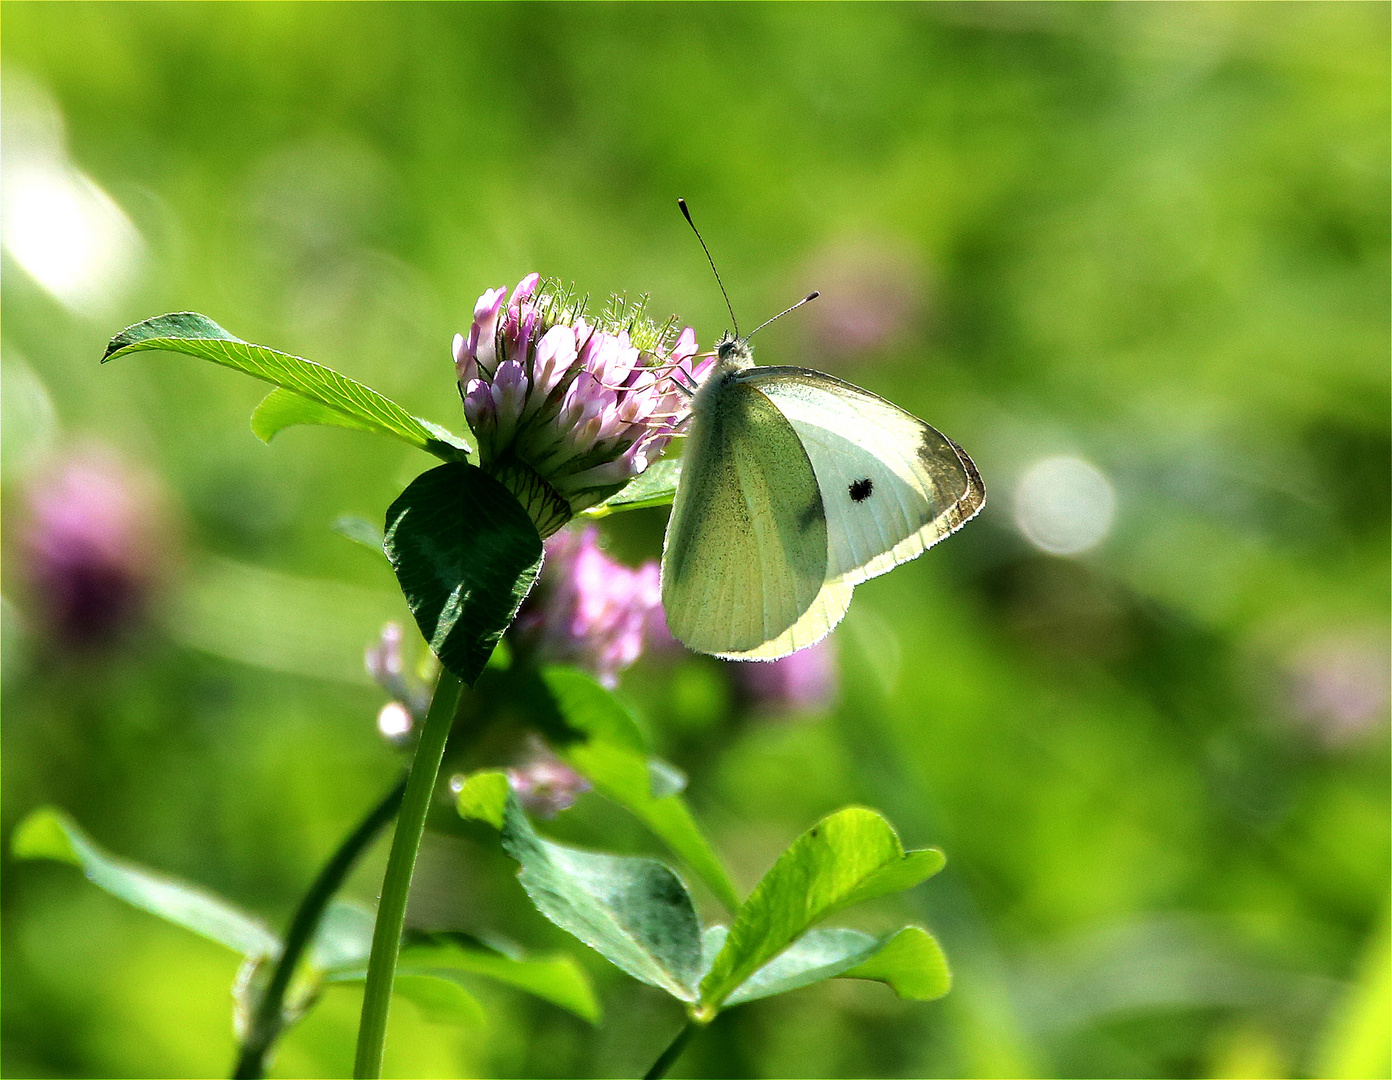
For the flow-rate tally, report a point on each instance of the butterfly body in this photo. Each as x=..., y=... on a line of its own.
x=795, y=487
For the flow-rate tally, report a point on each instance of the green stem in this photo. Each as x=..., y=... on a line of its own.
x=269, y=1019
x=669, y=1056
x=391, y=910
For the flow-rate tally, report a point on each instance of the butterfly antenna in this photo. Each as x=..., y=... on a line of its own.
x=687, y=214
x=805, y=300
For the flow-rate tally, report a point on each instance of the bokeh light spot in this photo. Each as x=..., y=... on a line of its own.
x=1064, y=505
x=68, y=234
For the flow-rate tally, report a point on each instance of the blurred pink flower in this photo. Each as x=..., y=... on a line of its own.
x=566, y=410
x=95, y=546
x=872, y=294
x=1337, y=686
x=384, y=662
x=805, y=681
x=588, y=609
x=545, y=785
x=408, y=694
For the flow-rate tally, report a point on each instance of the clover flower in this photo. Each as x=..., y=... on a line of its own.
x=566, y=410
x=94, y=546
x=588, y=609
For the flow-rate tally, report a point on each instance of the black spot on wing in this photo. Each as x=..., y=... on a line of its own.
x=861, y=489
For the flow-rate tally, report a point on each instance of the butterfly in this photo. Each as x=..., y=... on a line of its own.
x=795, y=487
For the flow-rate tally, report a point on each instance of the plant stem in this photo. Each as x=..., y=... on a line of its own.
x=391, y=910
x=669, y=1056
x=269, y=1018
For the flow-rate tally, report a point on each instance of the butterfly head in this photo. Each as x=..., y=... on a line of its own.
x=732, y=351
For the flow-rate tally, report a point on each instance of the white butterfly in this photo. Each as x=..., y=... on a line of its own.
x=795, y=487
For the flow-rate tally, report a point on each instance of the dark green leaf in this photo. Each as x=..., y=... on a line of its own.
x=465, y=554
x=633, y=911
x=654, y=486
x=851, y=856
x=49, y=833
x=611, y=756
x=192, y=334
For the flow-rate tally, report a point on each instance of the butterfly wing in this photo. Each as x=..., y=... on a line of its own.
x=826, y=610
x=744, y=560
x=892, y=486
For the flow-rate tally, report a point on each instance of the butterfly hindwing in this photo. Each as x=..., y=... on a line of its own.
x=892, y=486
x=745, y=557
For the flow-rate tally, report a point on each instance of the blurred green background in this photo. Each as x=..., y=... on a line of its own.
x=1134, y=258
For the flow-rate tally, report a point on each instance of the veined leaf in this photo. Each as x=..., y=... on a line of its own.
x=909, y=961
x=281, y=409
x=850, y=856
x=356, y=405
x=48, y=833
x=654, y=486
x=465, y=554
x=635, y=912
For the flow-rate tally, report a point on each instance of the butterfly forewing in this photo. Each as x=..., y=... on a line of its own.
x=891, y=485
x=746, y=550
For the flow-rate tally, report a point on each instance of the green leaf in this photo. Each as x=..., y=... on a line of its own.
x=441, y=998
x=557, y=979
x=654, y=486
x=343, y=937
x=48, y=833
x=911, y=963
x=634, y=912
x=281, y=409
x=358, y=406
x=465, y=554
x=485, y=797
x=360, y=531
x=665, y=778
x=850, y=856
x=611, y=756
x=590, y=712
x=908, y=961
